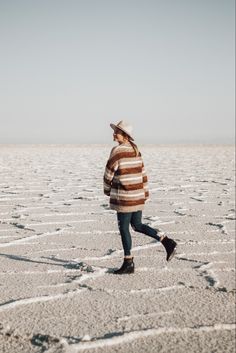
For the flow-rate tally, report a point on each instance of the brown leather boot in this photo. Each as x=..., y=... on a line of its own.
x=170, y=246
x=127, y=267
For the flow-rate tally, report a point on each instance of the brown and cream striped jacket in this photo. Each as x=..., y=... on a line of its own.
x=125, y=179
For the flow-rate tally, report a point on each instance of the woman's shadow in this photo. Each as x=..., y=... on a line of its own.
x=57, y=262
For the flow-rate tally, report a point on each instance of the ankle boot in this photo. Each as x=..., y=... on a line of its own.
x=170, y=246
x=127, y=267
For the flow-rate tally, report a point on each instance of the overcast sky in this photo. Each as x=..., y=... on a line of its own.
x=69, y=68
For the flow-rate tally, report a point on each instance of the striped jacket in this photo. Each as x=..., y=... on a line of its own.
x=125, y=179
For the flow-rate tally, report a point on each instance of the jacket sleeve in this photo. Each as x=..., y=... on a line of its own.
x=111, y=167
x=145, y=182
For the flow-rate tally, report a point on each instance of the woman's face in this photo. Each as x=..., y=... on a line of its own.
x=118, y=136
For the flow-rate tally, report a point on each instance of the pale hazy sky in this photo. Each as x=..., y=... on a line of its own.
x=69, y=68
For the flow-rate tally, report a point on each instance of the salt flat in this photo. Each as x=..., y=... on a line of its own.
x=59, y=242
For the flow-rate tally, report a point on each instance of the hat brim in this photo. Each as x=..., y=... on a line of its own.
x=113, y=126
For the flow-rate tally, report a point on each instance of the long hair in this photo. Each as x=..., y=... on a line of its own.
x=135, y=147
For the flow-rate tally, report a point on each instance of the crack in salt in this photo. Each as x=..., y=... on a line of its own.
x=218, y=225
x=15, y=303
x=26, y=239
x=124, y=337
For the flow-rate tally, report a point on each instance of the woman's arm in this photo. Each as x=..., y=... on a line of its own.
x=145, y=182
x=111, y=167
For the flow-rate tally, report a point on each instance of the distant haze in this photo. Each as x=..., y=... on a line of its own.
x=69, y=68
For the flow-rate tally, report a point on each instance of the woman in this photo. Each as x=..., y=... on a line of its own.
x=125, y=181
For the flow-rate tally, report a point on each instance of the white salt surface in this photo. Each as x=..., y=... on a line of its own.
x=59, y=242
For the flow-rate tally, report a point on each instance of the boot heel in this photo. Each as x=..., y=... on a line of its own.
x=173, y=254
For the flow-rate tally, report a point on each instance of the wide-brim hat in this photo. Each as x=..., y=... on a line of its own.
x=123, y=126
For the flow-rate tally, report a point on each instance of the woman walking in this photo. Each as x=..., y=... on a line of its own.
x=125, y=181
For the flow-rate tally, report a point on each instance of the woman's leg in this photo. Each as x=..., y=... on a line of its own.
x=123, y=224
x=138, y=226
x=169, y=244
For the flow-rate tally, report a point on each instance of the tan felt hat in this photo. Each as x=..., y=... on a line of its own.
x=123, y=126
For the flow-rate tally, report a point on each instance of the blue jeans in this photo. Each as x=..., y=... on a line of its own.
x=135, y=219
